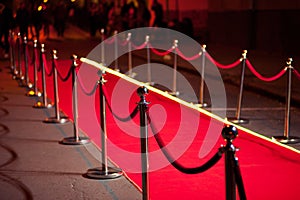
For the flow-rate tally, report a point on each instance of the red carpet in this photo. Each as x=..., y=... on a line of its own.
x=269, y=170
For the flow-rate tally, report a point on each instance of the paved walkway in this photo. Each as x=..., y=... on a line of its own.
x=33, y=165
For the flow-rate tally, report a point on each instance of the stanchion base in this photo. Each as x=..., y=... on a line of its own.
x=132, y=74
x=54, y=120
x=17, y=77
x=286, y=140
x=22, y=82
x=99, y=173
x=202, y=105
x=42, y=105
x=175, y=94
x=32, y=93
x=29, y=85
x=238, y=121
x=150, y=83
x=75, y=141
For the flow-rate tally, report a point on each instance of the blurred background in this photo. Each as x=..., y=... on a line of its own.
x=267, y=25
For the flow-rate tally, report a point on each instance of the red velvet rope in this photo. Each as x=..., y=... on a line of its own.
x=28, y=56
x=84, y=89
x=37, y=61
x=46, y=66
x=159, y=53
x=277, y=76
x=188, y=58
x=296, y=73
x=67, y=76
x=108, y=103
x=142, y=46
x=124, y=43
x=110, y=41
x=223, y=66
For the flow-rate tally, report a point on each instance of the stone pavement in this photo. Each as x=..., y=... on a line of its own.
x=33, y=165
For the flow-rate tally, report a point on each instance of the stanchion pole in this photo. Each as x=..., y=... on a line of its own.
x=11, y=52
x=57, y=118
x=13, y=49
x=149, y=78
x=286, y=138
x=102, y=48
x=76, y=139
x=174, y=91
x=44, y=103
x=237, y=119
x=202, y=104
x=34, y=91
x=116, y=51
x=130, y=73
x=25, y=51
x=103, y=172
x=19, y=75
x=229, y=133
x=143, y=106
x=232, y=172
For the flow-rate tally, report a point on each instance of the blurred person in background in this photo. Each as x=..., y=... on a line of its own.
x=94, y=18
x=36, y=20
x=60, y=18
x=23, y=19
x=46, y=18
x=159, y=14
x=143, y=14
x=128, y=13
x=6, y=23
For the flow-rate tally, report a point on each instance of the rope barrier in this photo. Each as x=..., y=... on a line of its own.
x=26, y=56
x=188, y=58
x=237, y=119
x=57, y=118
x=11, y=52
x=297, y=73
x=116, y=51
x=37, y=60
x=159, y=53
x=44, y=103
x=238, y=179
x=122, y=119
x=19, y=52
x=83, y=88
x=268, y=79
x=31, y=59
x=124, y=43
x=76, y=139
x=64, y=79
x=232, y=65
x=194, y=170
x=46, y=66
x=142, y=46
x=34, y=91
x=110, y=41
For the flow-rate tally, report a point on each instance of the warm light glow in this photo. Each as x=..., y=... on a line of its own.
x=31, y=93
x=40, y=8
x=73, y=1
x=45, y=1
